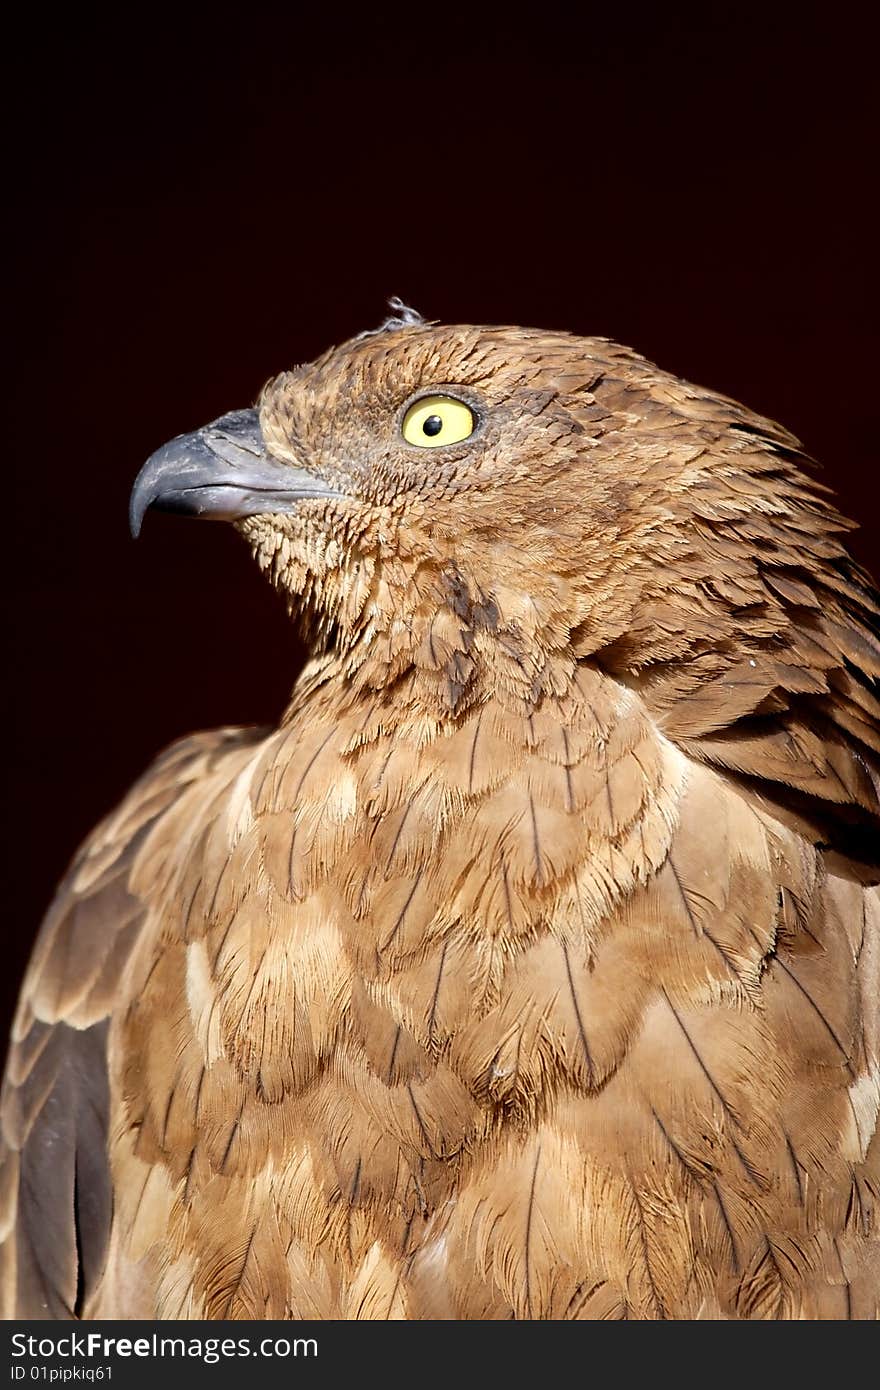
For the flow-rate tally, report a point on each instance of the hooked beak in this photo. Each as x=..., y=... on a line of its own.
x=221, y=472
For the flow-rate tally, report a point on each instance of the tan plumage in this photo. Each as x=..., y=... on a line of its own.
x=529, y=968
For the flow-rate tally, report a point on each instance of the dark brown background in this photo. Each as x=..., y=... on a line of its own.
x=196, y=208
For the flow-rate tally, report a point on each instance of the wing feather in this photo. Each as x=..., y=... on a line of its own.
x=56, y=1198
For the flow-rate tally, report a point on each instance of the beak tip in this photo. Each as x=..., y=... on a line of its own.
x=139, y=504
x=186, y=466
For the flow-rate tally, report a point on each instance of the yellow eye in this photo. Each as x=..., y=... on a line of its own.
x=436, y=420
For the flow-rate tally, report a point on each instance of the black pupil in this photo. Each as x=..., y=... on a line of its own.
x=433, y=425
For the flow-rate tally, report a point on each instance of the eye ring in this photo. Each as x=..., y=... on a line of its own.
x=437, y=421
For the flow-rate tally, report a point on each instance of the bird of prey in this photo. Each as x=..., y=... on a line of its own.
x=529, y=968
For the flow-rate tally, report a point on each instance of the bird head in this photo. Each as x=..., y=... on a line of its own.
x=490, y=505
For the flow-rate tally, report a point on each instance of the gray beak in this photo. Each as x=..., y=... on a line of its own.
x=221, y=472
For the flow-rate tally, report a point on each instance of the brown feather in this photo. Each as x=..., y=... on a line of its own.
x=530, y=968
